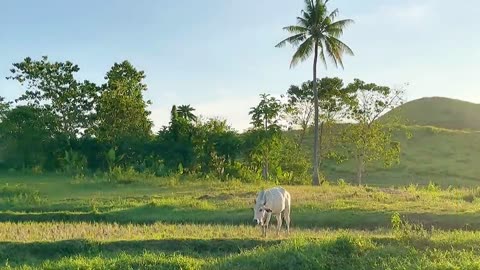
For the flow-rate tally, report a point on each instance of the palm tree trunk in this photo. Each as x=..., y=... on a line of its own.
x=320, y=142
x=315, y=180
x=265, y=157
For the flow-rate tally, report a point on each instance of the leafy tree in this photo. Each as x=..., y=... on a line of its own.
x=121, y=110
x=370, y=140
x=217, y=145
x=175, y=143
x=4, y=107
x=265, y=118
x=332, y=100
x=28, y=137
x=52, y=85
x=186, y=112
x=317, y=32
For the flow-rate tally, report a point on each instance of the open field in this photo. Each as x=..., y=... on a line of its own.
x=54, y=222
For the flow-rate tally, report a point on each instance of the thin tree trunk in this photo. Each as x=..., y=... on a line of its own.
x=360, y=169
x=304, y=128
x=315, y=180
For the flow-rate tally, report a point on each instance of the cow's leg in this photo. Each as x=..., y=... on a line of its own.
x=279, y=223
x=265, y=225
x=286, y=216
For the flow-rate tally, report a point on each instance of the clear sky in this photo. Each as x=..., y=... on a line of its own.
x=219, y=55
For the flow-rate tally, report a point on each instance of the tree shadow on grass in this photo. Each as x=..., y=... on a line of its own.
x=304, y=219
x=37, y=252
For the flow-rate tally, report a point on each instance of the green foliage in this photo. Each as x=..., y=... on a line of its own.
x=308, y=39
x=11, y=195
x=175, y=144
x=317, y=32
x=53, y=86
x=369, y=140
x=4, y=107
x=128, y=175
x=433, y=187
x=74, y=163
x=264, y=140
x=406, y=231
x=27, y=136
x=186, y=112
x=121, y=111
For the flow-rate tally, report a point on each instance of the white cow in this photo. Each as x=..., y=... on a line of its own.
x=275, y=201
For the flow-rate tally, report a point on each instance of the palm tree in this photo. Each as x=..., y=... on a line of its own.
x=317, y=32
x=186, y=112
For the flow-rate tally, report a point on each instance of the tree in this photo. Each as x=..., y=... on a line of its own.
x=121, y=110
x=28, y=136
x=369, y=140
x=317, y=32
x=52, y=85
x=4, y=107
x=217, y=146
x=265, y=117
x=186, y=112
x=175, y=143
x=332, y=99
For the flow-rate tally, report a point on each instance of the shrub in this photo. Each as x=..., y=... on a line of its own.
x=18, y=194
x=407, y=231
x=342, y=183
x=128, y=175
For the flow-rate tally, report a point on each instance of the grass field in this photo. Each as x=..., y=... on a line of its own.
x=54, y=222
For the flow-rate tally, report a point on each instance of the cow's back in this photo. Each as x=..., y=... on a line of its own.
x=278, y=199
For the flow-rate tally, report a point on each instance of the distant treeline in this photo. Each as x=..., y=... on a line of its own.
x=78, y=127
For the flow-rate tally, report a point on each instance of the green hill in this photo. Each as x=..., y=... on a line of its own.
x=446, y=157
x=440, y=112
x=445, y=147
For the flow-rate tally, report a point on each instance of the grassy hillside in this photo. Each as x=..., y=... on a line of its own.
x=54, y=222
x=446, y=157
x=440, y=112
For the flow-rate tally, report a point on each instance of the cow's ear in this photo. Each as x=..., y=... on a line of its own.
x=268, y=210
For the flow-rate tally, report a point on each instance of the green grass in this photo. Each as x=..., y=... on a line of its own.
x=59, y=223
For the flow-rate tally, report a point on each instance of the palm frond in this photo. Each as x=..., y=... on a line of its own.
x=295, y=29
x=333, y=54
x=341, y=46
x=333, y=14
x=294, y=40
x=303, y=22
x=317, y=27
x=336, y=29
x=303, y=52
x=310, y=6
x=321, y=54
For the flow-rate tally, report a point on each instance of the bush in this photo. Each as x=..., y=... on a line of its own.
x=74, y=163
x=121, y=175
x=407, y=231
x=19, y=194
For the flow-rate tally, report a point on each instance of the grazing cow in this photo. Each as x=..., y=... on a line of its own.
x=275, y=201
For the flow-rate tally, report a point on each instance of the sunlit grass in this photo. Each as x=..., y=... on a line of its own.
x=192, y=224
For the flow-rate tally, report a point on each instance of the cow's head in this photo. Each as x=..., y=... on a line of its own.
x=259, y=209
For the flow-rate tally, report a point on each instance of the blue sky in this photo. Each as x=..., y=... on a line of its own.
x=219, y=55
